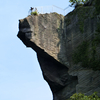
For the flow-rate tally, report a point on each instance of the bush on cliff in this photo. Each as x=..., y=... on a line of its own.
x=77, y=2
x=79, y=96
x=34, y=13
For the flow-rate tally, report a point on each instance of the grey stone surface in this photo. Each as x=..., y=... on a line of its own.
x=46, y=36
x=54, y=42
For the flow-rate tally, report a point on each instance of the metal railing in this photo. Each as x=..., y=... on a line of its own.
x=51, y=9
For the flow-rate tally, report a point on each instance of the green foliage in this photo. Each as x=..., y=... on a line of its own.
x=79, y=96
x=77, y=2
x=87, y=54
x=83, y=13
x=80, y=54
x=34, y=13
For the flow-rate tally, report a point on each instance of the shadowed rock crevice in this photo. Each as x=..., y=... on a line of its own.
x=57, y=77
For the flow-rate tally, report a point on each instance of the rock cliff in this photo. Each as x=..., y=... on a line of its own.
x=55, y=38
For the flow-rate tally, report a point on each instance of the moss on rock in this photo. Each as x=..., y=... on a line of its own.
x=87, y=53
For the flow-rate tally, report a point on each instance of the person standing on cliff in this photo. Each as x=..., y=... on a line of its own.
x=36, y=10
x=31, y=10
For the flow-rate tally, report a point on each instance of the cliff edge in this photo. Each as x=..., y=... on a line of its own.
x=67, y=48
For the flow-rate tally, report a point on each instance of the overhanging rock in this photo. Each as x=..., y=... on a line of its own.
x=54, y=37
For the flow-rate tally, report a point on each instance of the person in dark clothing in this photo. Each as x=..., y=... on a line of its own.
x=31, y=9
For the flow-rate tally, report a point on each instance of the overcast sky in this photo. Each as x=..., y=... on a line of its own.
x=20, y=74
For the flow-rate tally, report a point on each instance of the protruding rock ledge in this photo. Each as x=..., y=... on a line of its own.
x=54, y=37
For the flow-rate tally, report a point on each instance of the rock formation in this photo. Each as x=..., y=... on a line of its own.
x=54, y=37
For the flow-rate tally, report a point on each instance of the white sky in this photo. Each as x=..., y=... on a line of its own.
x=20, y=74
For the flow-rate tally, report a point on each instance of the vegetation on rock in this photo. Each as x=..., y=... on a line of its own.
x=34, y=13
x=80, y=96
x=87, y=53
x=82, y=14
x=77, y=2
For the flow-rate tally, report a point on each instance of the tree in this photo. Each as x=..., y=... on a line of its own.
x=77, y=2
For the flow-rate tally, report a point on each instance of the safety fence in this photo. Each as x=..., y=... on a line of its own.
x=51, y=9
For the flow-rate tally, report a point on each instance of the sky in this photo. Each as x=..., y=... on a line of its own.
x=20, y=74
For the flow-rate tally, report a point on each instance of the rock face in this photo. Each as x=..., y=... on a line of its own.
x=54, y=37
x=45, y=35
